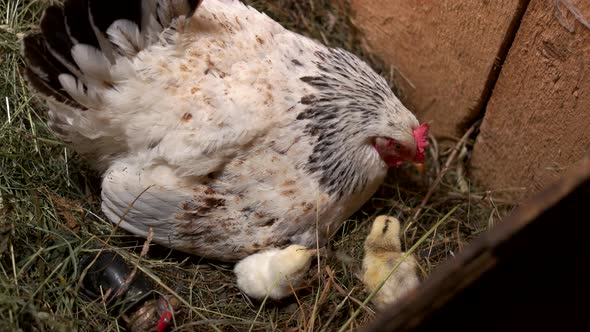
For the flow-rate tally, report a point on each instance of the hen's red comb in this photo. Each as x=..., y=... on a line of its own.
x=421, y=137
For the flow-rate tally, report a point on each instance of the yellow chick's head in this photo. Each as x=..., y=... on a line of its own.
x=384, y=234
x=294, y=259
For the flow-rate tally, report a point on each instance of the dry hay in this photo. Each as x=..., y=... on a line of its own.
x=50, y=216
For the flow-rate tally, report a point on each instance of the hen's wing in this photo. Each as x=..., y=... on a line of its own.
x=224, y=217
x=139, y=199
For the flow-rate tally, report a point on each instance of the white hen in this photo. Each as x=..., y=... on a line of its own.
x=242, y=131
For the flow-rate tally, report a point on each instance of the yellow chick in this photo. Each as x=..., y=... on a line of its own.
x=382, y=253
x=275, y=272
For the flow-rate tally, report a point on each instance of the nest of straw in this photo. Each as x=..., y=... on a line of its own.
x=50, y=215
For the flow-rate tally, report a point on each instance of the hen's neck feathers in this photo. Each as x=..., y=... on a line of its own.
x=340, y=116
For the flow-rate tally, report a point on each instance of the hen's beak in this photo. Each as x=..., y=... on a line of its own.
x=419, y=167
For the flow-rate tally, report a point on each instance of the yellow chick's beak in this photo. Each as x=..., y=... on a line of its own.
x=419, y=167
x=322, y=252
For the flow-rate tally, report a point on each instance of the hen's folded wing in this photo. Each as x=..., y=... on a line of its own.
x=136, y=201
x=185, y=213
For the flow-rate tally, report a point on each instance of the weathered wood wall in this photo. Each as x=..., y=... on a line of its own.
x=443, y=52
x=508, y=61
x=537, y=122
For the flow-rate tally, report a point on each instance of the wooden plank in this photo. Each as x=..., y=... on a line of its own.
x=528, y=273
x=444, y=52
x=537, y=123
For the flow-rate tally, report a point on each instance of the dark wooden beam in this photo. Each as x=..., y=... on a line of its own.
x=528, y=273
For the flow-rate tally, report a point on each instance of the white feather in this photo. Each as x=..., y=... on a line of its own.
x=145, y=199
x=93, y=63
x=126, y=37
x=75, y=88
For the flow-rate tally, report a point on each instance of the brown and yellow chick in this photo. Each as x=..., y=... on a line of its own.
x=382, y=253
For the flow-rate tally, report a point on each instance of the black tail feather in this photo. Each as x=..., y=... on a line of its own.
x=78, y=23
x=103, y=14
x=43, y=70
x=49, y=54
x=56, y=36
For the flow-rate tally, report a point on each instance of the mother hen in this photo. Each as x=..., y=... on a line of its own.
x=247, y=136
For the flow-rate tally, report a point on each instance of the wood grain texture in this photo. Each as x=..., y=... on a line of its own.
x=443, y=52
x=537, y=123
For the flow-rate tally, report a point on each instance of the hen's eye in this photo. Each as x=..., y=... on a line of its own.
x=397, y=146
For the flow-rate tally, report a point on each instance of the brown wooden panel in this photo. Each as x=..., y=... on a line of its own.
x=443, y=52
x=537, y=123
